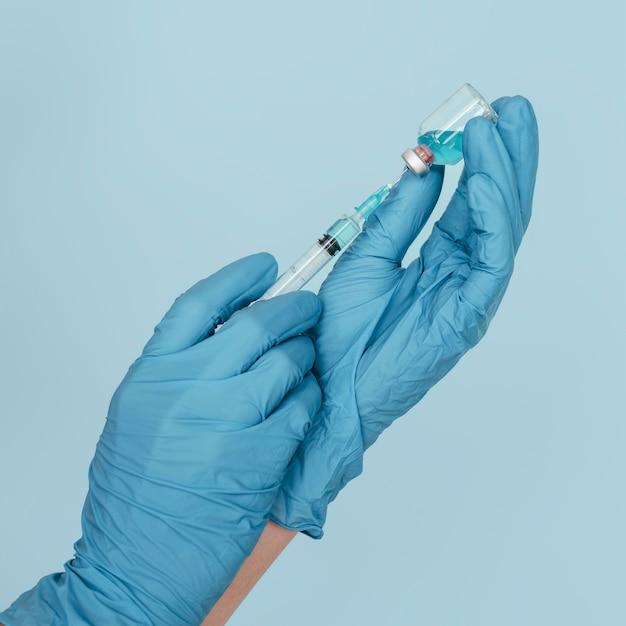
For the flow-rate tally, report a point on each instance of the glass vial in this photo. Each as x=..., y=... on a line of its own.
x=440, y=137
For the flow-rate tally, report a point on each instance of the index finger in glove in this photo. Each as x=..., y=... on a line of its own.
x=251, y=332
x=197, y=312
x=399, y=219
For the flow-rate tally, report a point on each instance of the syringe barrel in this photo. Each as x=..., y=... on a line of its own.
x=338, y=237
x=311, y=262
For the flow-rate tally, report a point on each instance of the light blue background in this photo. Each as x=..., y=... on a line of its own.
x=145, y=144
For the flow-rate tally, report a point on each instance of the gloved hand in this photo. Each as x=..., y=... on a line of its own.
x=196, y=443
x=388, y=334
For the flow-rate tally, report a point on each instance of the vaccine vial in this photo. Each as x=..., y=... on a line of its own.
x=440, y=137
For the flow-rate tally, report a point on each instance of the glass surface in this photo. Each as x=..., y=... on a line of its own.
x=442, y=130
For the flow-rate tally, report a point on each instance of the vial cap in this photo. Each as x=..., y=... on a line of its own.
x=418, y=159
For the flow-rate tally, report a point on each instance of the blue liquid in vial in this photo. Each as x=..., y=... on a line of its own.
x=446, y=145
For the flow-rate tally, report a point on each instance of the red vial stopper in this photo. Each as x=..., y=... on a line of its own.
x=425, y=154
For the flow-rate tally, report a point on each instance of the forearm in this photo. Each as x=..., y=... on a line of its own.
x=272, y=542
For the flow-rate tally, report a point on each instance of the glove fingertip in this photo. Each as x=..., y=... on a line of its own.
x=263, y=263
x=309, y=304
x=518, y=114
x=498, y=104
x=477, y=128
x=522, y=107
x=419, y=183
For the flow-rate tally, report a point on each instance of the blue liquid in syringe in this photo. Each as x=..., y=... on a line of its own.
x=446, y=145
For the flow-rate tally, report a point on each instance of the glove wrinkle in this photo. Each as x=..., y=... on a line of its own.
x=388, y=335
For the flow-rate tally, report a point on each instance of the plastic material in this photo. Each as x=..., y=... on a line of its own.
x=388, y=334
x=197, y=441
x=338, y=237
x=301, y=271
x=440, y=142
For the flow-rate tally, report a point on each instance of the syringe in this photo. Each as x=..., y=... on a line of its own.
x=439, y=142
x=335, y=239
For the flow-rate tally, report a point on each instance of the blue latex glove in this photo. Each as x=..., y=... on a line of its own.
x=197, y=441
x=388, y=333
